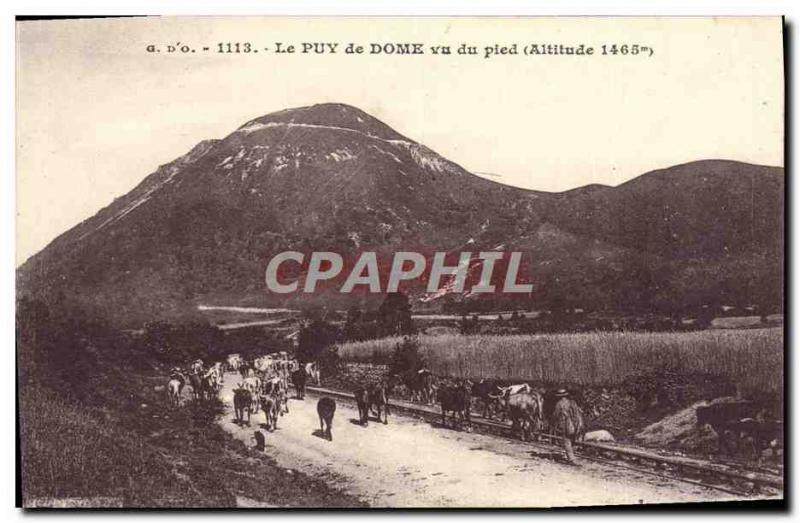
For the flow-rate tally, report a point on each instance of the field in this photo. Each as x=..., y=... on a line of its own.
x=750, y=358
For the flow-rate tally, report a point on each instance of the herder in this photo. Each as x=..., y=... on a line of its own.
x=568, y=422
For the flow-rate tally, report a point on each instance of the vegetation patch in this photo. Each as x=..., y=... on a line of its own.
x=751, y=359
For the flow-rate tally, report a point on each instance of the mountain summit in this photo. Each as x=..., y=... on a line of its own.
x=202, y=228
x=332, y=116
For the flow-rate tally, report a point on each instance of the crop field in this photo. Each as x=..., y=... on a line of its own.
x=751, y=358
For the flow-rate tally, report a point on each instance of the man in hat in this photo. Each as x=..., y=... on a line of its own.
x=568, y=422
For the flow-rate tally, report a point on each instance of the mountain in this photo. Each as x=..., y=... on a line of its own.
x=202, y=228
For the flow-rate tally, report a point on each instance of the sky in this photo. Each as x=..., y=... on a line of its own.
x=96, y=112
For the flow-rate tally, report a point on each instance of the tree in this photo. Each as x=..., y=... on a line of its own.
x=406, y=357
x=394, y=315
x=352, y=330
x=314, y=337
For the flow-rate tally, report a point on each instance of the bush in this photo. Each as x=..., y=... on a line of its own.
x=406, y=357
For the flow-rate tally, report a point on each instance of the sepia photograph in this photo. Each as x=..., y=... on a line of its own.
x=307, y=262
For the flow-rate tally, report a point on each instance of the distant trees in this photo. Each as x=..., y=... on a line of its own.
x=315, y=336
x=392, y=318
x=394, y=315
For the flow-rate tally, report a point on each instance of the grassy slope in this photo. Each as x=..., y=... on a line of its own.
x=132, y=445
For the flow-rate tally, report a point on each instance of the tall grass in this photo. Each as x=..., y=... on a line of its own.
x=752, y=359
x=68, y=453
x=158, y=456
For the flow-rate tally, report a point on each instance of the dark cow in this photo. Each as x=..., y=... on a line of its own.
x=488, y=393
x=456, y=400
x=419, y=383
x=201, y=386
x=379, y=401
x=720, y=414
x=272, y=385
x=283, y=401
x=242, y=401
x=326, y=407
x=525, y=411
x=750, y=437
x=362, y=402
x=269, y=404
x=740, y=427
x=299, y=378
x=246, y=369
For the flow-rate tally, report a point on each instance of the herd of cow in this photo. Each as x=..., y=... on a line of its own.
x=205, y=382
x=529, y=410
x=265, y=383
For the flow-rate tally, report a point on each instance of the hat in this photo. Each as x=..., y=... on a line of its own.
x=561, y=393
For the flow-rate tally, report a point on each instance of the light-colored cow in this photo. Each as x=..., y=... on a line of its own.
x=312, y=370
x=234, y=361
x=197, y=366
x=174, y=387
x=264, y=364
x=253, y=385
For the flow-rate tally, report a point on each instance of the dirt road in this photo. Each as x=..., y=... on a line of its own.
x=410, y=463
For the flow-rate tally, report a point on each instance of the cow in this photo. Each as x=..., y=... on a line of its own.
x=253, y=385
x=242, y=402
x=516, y=388
x=219, y=372
x=269, y=404
x=299, y=382
x=174, y=387
x=272, y=385
x=488, y=393
x=740, y=427
x=419, y=383
x=283, y=401
x=507, y=392
x=525, y=412
x=719, y=414
x=233, y=361
x=275, y=387
x=456, y=400
x=326, y=407
x=197, y=367
x=284, y=374
x=749, y=437
x=211, y=381
x=264, y=364
x=361, y=395
x=312, y=369
x=245, y=369
x=199, y=386
x=378, y=401
x=210, y=384
x=177, y=375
